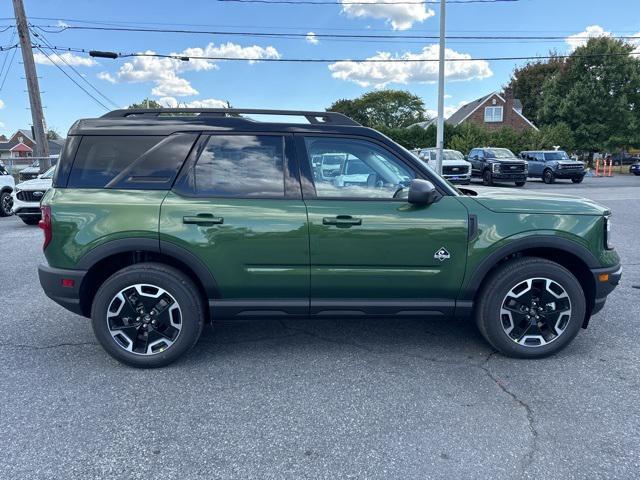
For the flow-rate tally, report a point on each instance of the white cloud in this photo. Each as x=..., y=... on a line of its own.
x=379, y=74
x=1, y=104
x=68, y=57
x=62, y=24
x=164, y=72
x=2, y=125
x=312, y=39
x=401, y=14
x=172, y=102
x=581, y=39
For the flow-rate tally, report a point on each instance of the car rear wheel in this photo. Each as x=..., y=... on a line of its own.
x=487, y=178
x=147, y=315
x=6, y=204
x=548, y=177
x=30, y=220
x=577, y=179
x=530, y=308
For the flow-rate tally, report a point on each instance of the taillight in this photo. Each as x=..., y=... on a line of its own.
x=45, y=225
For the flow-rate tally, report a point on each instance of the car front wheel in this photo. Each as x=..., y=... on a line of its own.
x=530, y=308
x=548, y=177
x=577, y=179
x=487, y=178
x=147, y=315
x=6, y=204
x=520, y=184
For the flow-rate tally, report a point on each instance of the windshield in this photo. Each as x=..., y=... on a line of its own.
x=559, y=155
x=499, y=153
x=49, y=173
x=453, y=155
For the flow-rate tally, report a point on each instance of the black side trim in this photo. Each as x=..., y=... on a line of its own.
x=51, y=282
x=117, y=246
x=251, y=308
x=384, y=307
x=473, y=227
x=194, y=263
x=519, y=245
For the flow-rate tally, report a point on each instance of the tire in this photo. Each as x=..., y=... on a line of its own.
x=577, y=179
x=487, y=178
x=520, y=184
x=494, y=322
x=548, y=177
x=177, y=330
x=30, y=220
x=6, y=204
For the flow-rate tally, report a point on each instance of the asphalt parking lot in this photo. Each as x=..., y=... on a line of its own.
x=329, y=398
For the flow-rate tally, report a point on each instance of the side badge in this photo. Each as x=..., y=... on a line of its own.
x=442, y=255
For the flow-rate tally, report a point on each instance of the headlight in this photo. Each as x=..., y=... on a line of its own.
x=495, y=168
x=608, y=243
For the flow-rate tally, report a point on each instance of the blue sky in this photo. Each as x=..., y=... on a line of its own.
x=284, y=85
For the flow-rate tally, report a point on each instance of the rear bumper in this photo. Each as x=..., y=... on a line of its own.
x=51, y=280
x=606, y=280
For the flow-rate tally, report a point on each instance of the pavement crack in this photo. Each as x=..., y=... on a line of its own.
x=531, y=423
x=22, y=346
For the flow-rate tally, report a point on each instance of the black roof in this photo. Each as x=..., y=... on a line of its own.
x=170, y=120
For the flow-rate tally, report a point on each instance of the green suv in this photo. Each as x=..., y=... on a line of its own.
x=160, y=221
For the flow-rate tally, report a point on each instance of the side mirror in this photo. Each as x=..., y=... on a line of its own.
x=422, y=192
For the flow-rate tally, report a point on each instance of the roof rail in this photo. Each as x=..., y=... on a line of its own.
x=315, y=118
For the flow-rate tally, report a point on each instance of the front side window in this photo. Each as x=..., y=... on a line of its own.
x=241, y=166
x=366, y=170
x=493, y=114
x=555, y=156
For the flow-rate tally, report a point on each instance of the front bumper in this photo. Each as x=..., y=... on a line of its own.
x=51, y=280
x=567, y=173
x=458, y=178
x=606, y=280
x=518, y=177
x=25, y=208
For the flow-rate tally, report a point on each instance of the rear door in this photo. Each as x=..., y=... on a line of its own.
x=371, y=251
x=237, y=207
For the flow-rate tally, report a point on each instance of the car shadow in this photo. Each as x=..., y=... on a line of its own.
x=446, y=340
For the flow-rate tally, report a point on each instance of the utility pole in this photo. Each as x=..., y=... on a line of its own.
x=37, y=117
x=440, y=141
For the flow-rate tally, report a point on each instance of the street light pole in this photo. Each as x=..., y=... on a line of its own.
x=440, y=141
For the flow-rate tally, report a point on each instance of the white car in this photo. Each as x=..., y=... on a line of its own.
x=27, y=196
x=7, y=187
x=454, y=167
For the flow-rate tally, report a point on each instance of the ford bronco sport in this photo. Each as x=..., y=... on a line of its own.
x=162, y=220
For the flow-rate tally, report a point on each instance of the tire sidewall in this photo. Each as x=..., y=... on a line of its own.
x=487, y=178
x=3, y=213
x=503, y=281
x=177, y=285
x=548, y=177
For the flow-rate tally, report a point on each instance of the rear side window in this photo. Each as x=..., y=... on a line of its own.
x=129, y=162
x=240, y=166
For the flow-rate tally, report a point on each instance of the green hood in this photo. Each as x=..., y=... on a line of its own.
x=508, y=201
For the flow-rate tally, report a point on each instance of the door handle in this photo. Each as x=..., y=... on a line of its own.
x=203, y=219
x=345, y=221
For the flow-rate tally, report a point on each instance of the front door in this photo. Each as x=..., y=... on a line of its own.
x=371, y=251
x=238, y=208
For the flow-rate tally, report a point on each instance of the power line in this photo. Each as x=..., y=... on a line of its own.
x=323, y=35
x=70, y=78
x=13, y=34
x=186, y=58
x=43, y=38
x=6, y=73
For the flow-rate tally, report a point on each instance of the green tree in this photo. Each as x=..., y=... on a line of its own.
x=383, y=108
x=467, y=136
x=597, y=95
x=146, y=103
x=53, y=134
x=527, y=84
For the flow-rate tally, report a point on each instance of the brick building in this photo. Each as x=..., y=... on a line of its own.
x=492, y=112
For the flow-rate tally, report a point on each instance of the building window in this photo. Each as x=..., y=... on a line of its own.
x=493, y=114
